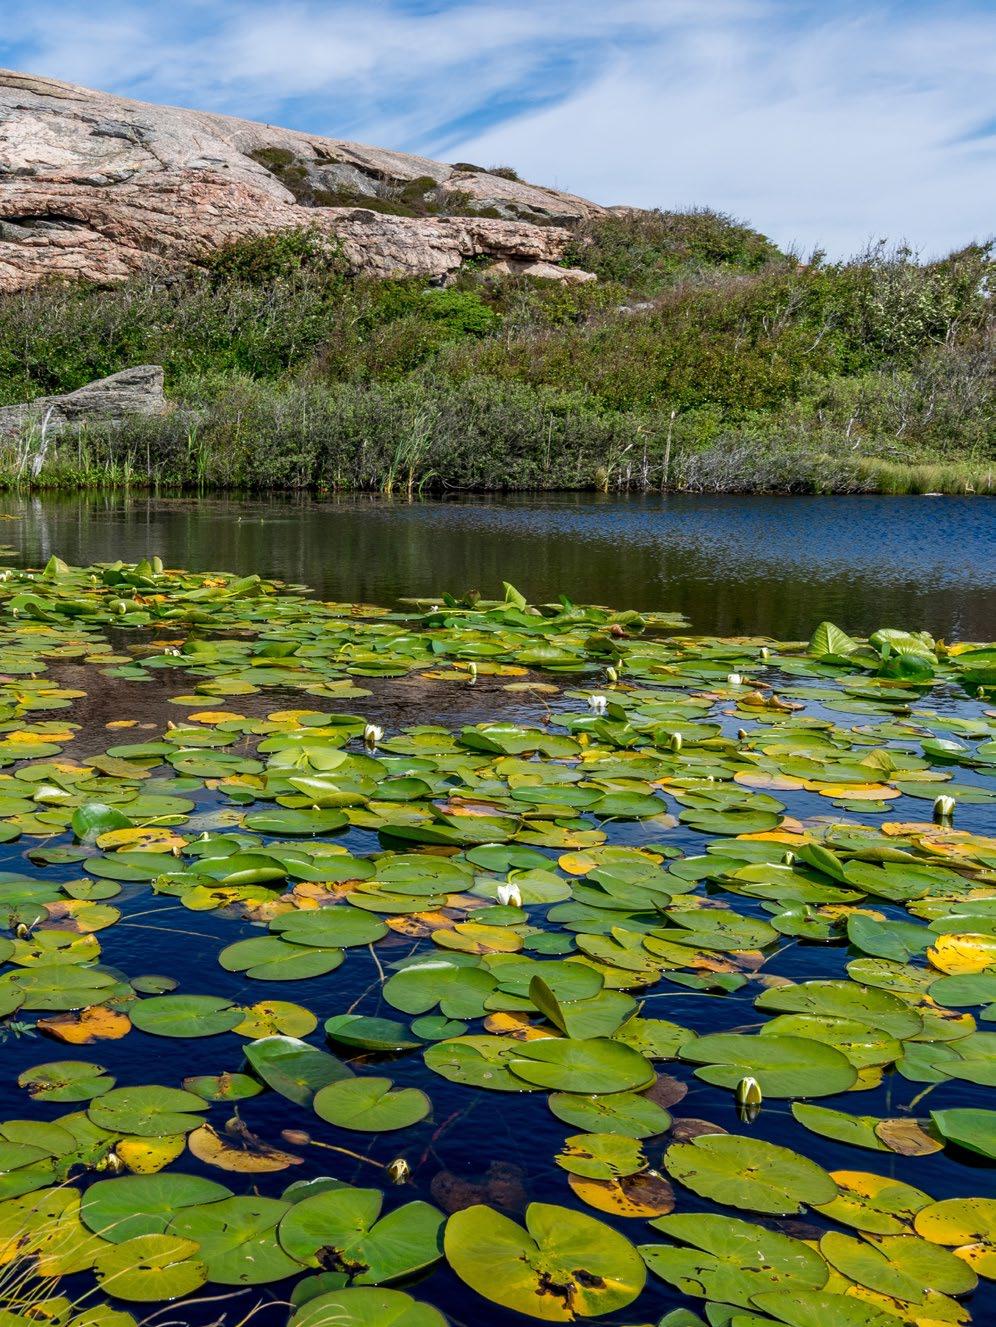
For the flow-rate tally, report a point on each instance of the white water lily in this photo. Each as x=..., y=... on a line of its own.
x=509, y=896
x=372, y=734
x=944, y=808
x=734, y=679
x=749, y=1092
x=598, y=703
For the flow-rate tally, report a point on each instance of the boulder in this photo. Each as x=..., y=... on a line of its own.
x=137, y=391
x=97, y=187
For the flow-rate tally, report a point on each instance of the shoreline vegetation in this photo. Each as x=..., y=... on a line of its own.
x=703, y=359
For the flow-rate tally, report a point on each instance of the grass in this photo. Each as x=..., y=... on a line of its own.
x=703, y=359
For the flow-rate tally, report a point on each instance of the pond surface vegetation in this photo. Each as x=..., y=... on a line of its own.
x=390, y=957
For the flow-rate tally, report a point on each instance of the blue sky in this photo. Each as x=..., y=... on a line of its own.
x=825, y=124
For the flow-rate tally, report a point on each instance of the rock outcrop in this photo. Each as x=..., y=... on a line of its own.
x=137, y=391
x=97, y=186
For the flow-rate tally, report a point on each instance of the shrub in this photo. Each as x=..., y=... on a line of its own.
x=646, y=251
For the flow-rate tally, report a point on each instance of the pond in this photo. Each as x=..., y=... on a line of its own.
x=367, y=940
x=730, y=564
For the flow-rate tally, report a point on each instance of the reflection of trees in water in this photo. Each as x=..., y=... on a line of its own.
x=715, y=560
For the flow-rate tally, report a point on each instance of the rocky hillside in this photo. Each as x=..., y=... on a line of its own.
x=94, y=185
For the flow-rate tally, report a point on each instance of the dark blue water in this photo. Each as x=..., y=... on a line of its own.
x=770, y=565
x=733, y=565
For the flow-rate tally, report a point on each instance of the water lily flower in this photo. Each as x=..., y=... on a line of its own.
x=748, y=1098
x=372, y=734
x=509, y=896
x=749, y=1092
x=944, y=808
x=734, y=679
x=598, y=703
x=398, y=1170
x=765, y=652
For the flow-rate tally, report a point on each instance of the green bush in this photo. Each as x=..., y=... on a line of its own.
x=646, y=251
x=287, y=370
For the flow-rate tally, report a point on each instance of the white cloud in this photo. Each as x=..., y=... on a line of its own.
x=830, y=124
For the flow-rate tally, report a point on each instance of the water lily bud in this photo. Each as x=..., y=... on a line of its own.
x=788, y=858
x=674, y=742
x=598, y=703
x=944, y=808
x=612, y=674
x=472, y=669
x=741, y=734
x=398, y=1171
x=981, y=693
x=748, y=1098
x=372, y=734
x=765, y=652
x=734, y=679
x=509, y=896
x=749, y=1092
x=296, y=1137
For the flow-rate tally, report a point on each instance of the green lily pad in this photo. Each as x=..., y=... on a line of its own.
x=374, y=1034
x=237, y=1239
x=594, y=1065
x=148, y=1112
x=371, y=1105
x=150, y=1267
x=293, y=1068
x=783, y=1066
x=975, y=1130
x=66, y=1080
x=564, y=1265
x=366, y=1308
x=269, y=958
x=625, y=1113
x=342, y=1230
x=131, y=1205
x=184, y=1015
x=749, y=1173
x=730, y=1260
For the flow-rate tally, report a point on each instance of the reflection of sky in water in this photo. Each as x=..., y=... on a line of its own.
x=945, y=541
x=732, y=565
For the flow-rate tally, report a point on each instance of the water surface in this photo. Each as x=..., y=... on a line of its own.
x=732, y=564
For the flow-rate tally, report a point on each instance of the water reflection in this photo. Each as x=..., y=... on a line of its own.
x=731, y=564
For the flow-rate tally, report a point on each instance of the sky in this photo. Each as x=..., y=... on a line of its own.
x=825, y=123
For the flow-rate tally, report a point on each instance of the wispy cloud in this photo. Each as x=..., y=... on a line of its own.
x=825, y=124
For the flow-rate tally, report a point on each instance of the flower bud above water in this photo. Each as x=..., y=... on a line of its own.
x=612, y=673
x=509, y=896
x=748, y=1099
x=944, y=808
x=372, y=734
x=674, y=741
x=734, y=679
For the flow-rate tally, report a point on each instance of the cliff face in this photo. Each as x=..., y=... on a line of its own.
x=95, y=186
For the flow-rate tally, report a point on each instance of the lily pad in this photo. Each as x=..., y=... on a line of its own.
x=562, y=1266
